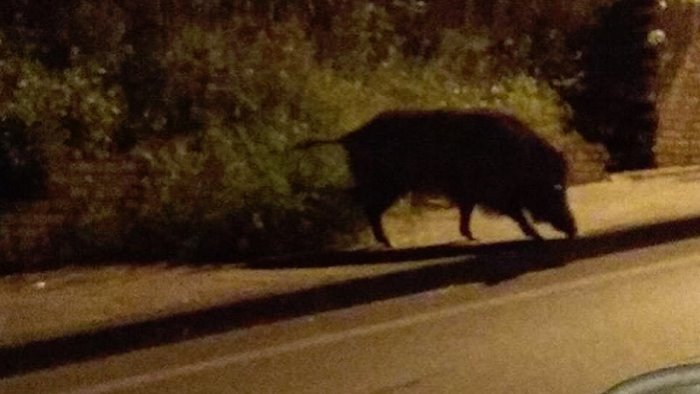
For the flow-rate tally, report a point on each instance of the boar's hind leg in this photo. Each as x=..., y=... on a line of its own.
x=465, y=214
x=525, y=226
x=376, y=200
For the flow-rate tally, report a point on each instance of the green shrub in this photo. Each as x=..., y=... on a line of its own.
x=234, y=96
x=73, y=107
x=257, y=92
x=238, y=72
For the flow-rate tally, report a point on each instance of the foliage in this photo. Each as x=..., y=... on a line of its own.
x=214, y=96
x=73, y=106
x=617, y=106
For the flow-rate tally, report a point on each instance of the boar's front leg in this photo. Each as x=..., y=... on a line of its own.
x=524, y=225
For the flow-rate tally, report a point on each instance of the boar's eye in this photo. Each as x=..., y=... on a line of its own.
x=558, y=187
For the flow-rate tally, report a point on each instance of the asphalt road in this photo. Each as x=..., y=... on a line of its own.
x=575, y=329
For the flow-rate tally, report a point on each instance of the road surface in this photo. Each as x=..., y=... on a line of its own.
x=580, y=328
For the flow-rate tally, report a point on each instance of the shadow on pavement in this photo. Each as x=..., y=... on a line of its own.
x=549, y=253
x=468, y=264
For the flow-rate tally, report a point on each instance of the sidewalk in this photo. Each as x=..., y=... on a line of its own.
x=76, y=304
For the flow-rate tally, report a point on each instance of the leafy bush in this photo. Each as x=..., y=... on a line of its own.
x=232, y=96
x=232, y=184
x=74, y=106
x=234, y=175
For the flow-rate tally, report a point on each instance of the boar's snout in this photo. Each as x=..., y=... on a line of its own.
x=554, y=209
x=565, y=223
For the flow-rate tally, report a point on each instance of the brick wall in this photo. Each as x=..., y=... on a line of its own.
x=678, y=136
x=33, y=234
x=30, y=232
x=586, y=161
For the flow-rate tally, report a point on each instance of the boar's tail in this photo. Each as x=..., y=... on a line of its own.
x=312, y=143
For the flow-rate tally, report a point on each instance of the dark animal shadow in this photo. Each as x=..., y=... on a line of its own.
x=489, y=264
x=496, y=262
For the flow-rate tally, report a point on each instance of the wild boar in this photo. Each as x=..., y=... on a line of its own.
x=472, y=157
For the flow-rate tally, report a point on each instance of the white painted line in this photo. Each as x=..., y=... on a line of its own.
x=135, y=381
